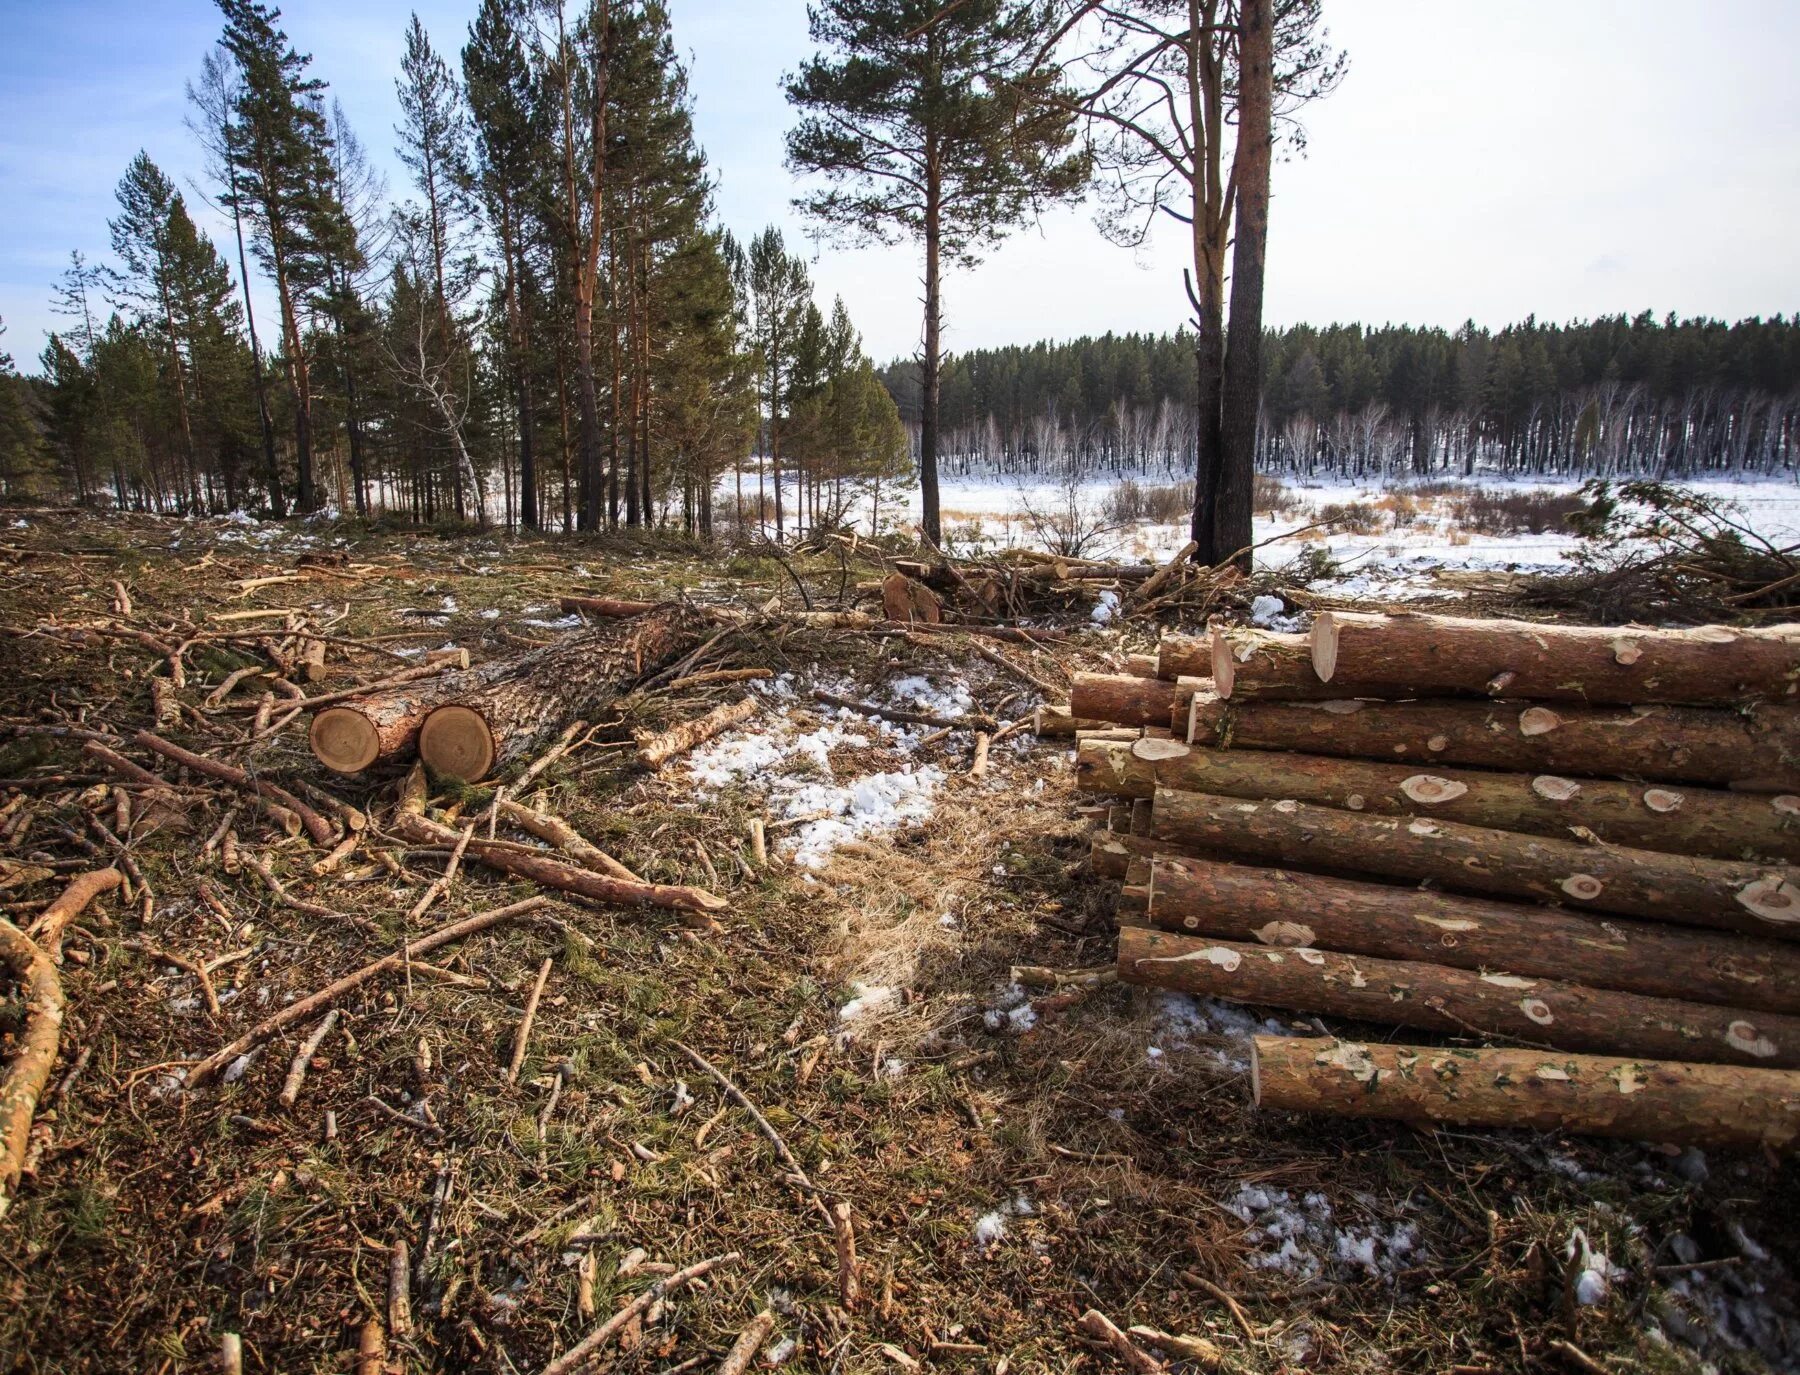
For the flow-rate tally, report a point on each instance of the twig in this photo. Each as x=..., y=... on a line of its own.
x=442, y=884
x=1102, y=1329
x=749, y=1342
x=296, y=1075
x=309, y=1006
x=523, y=1037
x=906, y=718
x=580, y=1356
x=316, y=826
x=48, y=929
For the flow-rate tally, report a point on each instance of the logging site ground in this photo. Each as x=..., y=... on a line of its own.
x=488, y=1183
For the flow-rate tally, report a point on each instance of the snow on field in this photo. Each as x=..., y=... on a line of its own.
x=831, y=776
x=1395, y=562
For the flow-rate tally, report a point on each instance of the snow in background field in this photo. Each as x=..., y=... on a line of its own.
x=1394, y=562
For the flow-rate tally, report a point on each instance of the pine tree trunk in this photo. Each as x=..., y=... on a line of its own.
x=1716, y=893
x=1640, y=1100
x=1680, y=820
x=1750, y=750
x=1446, y=655
x=930, y=382
x=1431, y=997
x=1278, y=907
x=484, y=730
x=1251, y=664
x=369, y=732
x=1242, y=394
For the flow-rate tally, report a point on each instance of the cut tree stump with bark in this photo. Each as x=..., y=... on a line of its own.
x=1278, y=907
x=1434, y=997
x=1684, y=1104
x=1682, y=819
x=1754, y=751
x=656, y=748
x=483, y=730
x=1437, y=655
x=905, y=599
x=1717, y=893
x=33, y=1055
x=1128, y=700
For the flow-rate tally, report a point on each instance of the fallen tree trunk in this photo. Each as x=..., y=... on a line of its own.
x=1128, y=700
x=1716, y=893
x=411, y=824
x=1705, y=665
x=485, y=729
x=1757, y=751
x=1277, y=907
x=33, y=1055
x=1681, y=820
x=380, y=729
x=1432, y=997
x=654, y=749
x=1247, y=664
x=609, y=608
x=1641, y=1100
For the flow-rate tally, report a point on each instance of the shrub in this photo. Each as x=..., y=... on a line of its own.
x=1513, y=512
x=1352, y=518
x=1131, y=501
x=1269, y=496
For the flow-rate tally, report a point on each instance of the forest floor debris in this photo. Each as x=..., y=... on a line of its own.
x=1011, y=1158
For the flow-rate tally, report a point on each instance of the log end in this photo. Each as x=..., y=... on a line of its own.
x=455, y=742
x=344, y=740
x=1224, y=667
x=1325, y=645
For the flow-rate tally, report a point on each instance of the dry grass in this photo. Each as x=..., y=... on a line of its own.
x=160, y=1217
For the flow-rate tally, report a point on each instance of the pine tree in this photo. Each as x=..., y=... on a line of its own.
x=929, y=120
x=21, y=443
x=279, y=143
x=780, y=293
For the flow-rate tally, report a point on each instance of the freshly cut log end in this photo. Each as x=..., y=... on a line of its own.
x=1325, y=646
x=1647, y=1100
x=455, y=742
x=344, y=740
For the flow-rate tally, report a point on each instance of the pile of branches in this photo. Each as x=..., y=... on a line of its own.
x=1650, y=551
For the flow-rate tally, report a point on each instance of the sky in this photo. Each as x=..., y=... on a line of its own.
x=1563, y=158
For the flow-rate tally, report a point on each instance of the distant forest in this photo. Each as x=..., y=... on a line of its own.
x=1616, y=395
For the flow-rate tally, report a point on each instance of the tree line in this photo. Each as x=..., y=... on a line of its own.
x=548, y=330
x=552, y=327
x=1612, y=396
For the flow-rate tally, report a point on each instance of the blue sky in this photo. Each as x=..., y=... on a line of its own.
x=1481, y=161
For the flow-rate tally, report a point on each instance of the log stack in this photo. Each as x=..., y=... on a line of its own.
x=1578, y=841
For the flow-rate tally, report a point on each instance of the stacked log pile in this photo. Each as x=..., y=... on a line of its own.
x=1577, y=841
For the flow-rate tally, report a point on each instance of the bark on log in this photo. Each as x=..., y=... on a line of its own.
x=1705, y=665
x=1110, y=852
x=1757, y=751
x=654, y=748
x=1644, y=1100
x=1544, y=1012
x=1054, y=719
x=483, y=730
x=1127, y=700
x=411, y=824
x=1248, y=664
x=1277, y=907
x=32, y=1058
x=1681, y=820
x=1717, y=893
x=607, y=608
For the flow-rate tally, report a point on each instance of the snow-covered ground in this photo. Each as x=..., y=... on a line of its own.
x=1392, y=563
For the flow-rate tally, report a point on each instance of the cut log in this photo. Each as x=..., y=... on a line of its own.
x=607, y=608
x=1247, y=664
x=379, y=729
x=484, y=730
x=1110, y=852
x=1717, y=893
x=1058, y=720
x=1641, y=1100
x=1705, y=665
x=411, y=824
x=1127, y=700
x=1432, y=997
x=654, y=749
x=1681, y=820
x=1753, y=751
x=1277, y=907
x=1141, y=665
x=903, y=599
